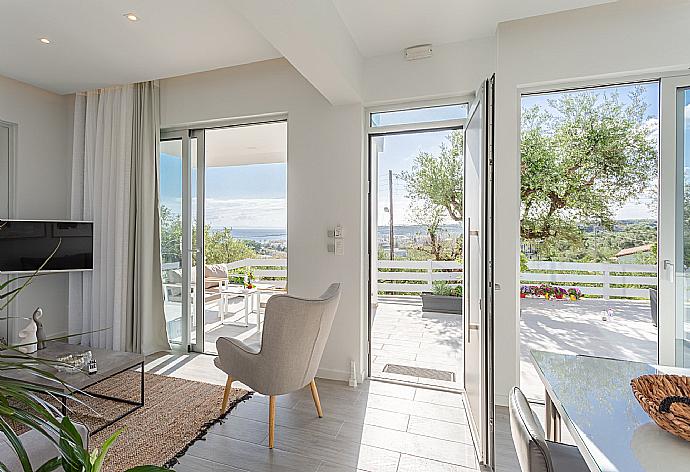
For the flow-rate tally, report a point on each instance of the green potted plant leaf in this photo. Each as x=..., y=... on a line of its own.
x=23, y=403
x=444, y=298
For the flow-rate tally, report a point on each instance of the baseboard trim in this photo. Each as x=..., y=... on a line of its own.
x=333, y=374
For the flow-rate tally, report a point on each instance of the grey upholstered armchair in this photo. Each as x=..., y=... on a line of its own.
x=294, y=336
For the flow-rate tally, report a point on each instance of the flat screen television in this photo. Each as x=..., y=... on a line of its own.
x=25, y=245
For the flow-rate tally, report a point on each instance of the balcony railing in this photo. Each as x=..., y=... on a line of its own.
x=273, y=271
x=594, y=279
x=414, y=277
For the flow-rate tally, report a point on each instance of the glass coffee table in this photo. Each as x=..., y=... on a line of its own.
x=110, y=363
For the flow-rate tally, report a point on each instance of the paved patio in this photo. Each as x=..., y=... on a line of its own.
x=402, y=334
x=576, y=327
x=215, y=329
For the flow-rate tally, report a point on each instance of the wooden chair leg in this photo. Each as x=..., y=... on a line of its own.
x=226, y=394
x=271, y=420
x=315, y=396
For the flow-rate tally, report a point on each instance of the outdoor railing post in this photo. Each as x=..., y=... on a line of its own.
x=430, y=275
x=607, y=284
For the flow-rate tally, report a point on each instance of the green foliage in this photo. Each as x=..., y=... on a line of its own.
x=443, y=288
x=440, y=246
x=220, y=247
x=582, y=162
x=600, y=245
x=171, y=235
x=523, y=262
x=24, y=403
x=437, y=179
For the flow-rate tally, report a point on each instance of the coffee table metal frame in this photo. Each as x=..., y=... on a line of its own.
x=136, y=404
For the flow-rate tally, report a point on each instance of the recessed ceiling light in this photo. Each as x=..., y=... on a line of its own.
x=131, y=17
x=44, y=40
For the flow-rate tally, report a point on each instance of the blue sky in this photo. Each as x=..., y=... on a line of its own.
x=254, y=196
x=247, y=196
x=400, y=150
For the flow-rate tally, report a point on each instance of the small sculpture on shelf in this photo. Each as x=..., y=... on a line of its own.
x=33, y=336
x=40, y=332
x=28, y=343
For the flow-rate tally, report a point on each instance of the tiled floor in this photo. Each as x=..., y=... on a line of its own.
x=376, y=427
x=402, y=334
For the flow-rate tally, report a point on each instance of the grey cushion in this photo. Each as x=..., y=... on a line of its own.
x=528, y=435
x=534, y=452
x=37, y=446
x=294, y=337
x=566, y=458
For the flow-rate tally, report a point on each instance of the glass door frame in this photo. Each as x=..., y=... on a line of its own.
x=184, y=138
x=194, y=246
x=671, y=195
x=373, y=132
x=199, y=292
x=483, y=431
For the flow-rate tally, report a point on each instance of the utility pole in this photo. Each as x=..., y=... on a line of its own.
x=390, y=210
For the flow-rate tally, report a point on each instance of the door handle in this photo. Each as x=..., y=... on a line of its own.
x=474, y=326
x=466, y=279
x=670, y=269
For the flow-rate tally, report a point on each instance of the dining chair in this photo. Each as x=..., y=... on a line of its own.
x=292, y=343
x=534, y=452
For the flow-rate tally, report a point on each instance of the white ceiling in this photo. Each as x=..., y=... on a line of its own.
x=240, y=145
x=386, y=26
x=94, y=45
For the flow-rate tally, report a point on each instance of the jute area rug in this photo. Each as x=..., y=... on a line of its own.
x=176, y=412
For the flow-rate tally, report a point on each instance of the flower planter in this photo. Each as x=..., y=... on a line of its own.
x=441, y=303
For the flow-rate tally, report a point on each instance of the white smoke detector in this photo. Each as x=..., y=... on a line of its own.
x=421, y=51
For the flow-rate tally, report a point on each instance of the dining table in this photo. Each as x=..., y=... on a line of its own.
x=592, y=398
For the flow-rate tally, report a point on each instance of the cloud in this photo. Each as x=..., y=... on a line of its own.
x=246, y=212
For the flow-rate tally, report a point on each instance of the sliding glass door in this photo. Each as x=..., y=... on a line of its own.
x=674, y=227
x=176, y=242
x=223, y=230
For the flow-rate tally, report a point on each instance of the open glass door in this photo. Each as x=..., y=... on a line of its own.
x=478, y=278
x=674, y=223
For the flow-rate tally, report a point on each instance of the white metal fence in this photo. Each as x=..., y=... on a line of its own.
x=264, y=270
x=596, y=279
x=415, y=276
x=599, y=279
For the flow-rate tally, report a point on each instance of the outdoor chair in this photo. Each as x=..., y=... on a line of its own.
x=294, y=337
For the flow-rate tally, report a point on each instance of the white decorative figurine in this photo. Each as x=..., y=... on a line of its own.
x=27, y=339
x=40, y=332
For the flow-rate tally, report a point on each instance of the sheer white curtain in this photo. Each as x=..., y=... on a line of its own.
x=115, y=183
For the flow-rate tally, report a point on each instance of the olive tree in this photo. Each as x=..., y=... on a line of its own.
x=581, y=160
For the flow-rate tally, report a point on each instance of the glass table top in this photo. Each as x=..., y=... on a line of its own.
x=604, y=416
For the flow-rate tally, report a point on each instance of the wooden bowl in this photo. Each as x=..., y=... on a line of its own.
x=652, y=390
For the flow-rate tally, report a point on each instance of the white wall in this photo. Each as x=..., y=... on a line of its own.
x=601, y=42
x=326, y=178
x=43, y=180
x=455, y=69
